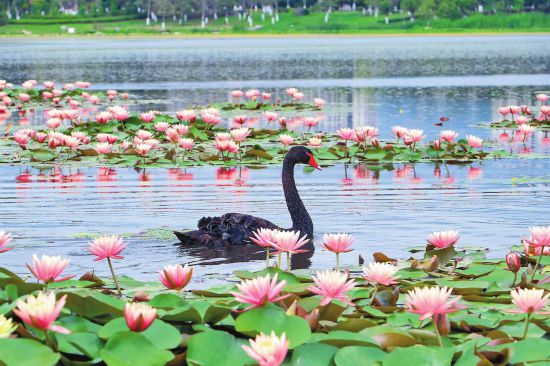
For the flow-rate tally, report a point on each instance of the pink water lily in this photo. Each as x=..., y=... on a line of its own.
x=268, y=350
x=41, y=311
x=176, y=276
x=338, y=243
x=260, y=291
x=332, y=285
x=107, y=247
x=5, y=239
x=265, y=238
x=48, y=268
x=431, y=301
x=529, y=302
x=380, y=273
x=139, y=316
x=443, y=239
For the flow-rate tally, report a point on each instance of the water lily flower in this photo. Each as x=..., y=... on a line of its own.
x=266, y=96
x=211, y=119
x=119, y=113
x=315, y=142
x=337, y=243
x=161, y=126
x=27, y=85
x=103, y=117
x=399, y=132
x=415, y=135
x=474, y=141
x=144, y=135
x=332, y=285
x=346, y=133
x=41, y=311
x=260, y=291
x=81, y=136
x=176, y=276
x=529, y=301
x=298, y=96
x=264, y=237
x=268, y=350
x=380, y=273
x=53, y=123
x=48, y=268
x=49, y=84
x=5, y=239
x=147, y=116
x=6, y=327
x=432, y=302
x=521, y=120
x=71, y=142
x=187, y=115
x=530, y=251
x=21, y=138
x=187, y=144
x=252, y=94
x=181, y=129
x=285, y=140
x=540, y=238
x=24, y=97
x=318, y=102
x=542, y=97
x=448, y=135
x=504, y=111
x=103, y=148
x=107, y=247
x=143, y=149
x=443, y=239
x=289, y=242
x=270, y=116
x=82, y=84
x=239, y=134
x=290, y=91
x=310, y=122
x=139, y=316
x=237, y=94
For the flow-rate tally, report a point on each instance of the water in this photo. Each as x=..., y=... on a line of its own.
x=412, y=81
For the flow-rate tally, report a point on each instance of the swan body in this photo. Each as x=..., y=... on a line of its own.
x=236, y=228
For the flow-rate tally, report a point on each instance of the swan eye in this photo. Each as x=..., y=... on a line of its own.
x=313, y=162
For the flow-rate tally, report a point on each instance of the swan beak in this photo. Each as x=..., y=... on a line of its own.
x=312, y=162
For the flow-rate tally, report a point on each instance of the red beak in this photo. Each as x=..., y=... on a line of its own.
x=312, y=162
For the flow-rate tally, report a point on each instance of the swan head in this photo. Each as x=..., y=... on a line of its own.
x=301, y=154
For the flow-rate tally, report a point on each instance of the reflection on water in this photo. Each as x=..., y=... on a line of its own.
x=387, y=209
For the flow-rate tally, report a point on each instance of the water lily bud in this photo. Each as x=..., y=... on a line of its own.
x=442, y=323
x=141, y=296
x=292, y=309
x=513, y=262
x=375, y=142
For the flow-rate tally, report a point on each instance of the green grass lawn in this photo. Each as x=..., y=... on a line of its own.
x=339, y=23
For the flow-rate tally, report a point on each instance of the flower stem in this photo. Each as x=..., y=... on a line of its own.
x=114, y=276
x=279, y=261
x=267, y=258
x=538, y=263
x=526, y=325
x=373, y=295
x=515, y=279
x=337, y=262
x=439, y=341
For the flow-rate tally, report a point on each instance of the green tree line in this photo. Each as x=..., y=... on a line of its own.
x=184, y=9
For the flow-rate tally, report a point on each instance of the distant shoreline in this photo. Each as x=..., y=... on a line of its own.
x=275, y=35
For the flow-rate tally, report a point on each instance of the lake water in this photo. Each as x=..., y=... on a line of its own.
x=412, y=81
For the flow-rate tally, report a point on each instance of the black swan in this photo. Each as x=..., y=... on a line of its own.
x=236, y=228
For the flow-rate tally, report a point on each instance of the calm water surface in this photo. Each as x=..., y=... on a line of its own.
x=412, y=81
